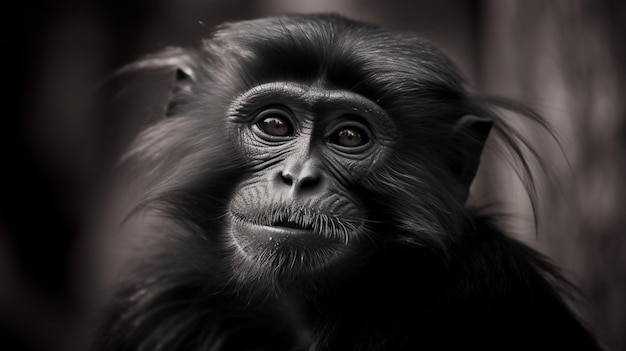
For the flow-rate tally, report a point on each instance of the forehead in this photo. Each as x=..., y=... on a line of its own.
x=344, y=54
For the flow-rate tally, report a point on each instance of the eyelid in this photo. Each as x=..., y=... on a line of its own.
x=275, y=109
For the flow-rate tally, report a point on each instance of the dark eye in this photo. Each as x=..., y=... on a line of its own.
x=275, y=124
x=349, y=137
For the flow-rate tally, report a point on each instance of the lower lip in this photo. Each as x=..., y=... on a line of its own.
x=279, y=236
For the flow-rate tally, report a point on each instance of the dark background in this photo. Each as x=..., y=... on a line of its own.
x=564, y=58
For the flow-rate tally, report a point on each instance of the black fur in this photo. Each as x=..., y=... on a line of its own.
x=435, y=274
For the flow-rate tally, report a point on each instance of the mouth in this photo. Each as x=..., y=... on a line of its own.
x=285, y=220
x=290, y=239
x=280, y=236
x=279, y=231
x=288, y=225
x=292, y=225
x=285, y=246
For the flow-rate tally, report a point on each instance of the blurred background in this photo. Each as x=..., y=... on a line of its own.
x=566, y=59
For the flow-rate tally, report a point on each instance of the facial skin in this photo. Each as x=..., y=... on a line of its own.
x=308, y=146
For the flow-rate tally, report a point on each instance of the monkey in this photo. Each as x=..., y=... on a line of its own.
x=308, y=189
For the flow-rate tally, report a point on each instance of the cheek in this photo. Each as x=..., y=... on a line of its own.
x=251, y=196
x=257, y=150
x=350, y=169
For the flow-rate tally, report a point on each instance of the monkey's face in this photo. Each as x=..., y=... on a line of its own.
x=308, y=148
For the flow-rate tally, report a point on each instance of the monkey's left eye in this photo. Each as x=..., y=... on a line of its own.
x=349, y=137
x=275, y=123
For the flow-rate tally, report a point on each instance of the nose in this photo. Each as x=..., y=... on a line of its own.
x=300, y=175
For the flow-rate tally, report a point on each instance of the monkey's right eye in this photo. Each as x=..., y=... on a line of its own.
x=275, y=123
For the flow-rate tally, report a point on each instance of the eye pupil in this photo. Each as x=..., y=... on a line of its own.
x=349, y=136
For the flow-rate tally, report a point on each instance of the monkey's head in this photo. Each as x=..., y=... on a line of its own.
x=345, y=138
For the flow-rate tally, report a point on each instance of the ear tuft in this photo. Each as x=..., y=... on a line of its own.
x=173, y=57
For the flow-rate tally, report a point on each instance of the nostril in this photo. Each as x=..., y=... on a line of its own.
x=308, y=182
x=286, y=178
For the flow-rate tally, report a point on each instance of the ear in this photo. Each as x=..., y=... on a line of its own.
x=172, y=69
x=469, y=136
x=183, y=83
x=141, y=94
